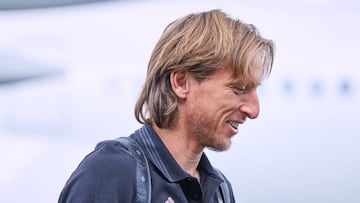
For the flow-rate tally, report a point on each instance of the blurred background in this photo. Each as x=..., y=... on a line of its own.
x=71, y=70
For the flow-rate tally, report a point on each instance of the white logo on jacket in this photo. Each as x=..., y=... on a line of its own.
x=169, y=200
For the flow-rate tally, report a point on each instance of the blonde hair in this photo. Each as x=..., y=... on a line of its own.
x=199, y=44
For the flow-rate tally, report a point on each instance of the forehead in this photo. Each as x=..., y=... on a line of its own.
x=249, y=74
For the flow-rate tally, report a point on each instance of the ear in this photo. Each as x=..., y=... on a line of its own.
x=179, y=83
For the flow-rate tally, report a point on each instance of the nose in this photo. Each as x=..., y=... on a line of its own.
x=250, y=107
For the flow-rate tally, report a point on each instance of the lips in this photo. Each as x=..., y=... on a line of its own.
x=234, y=124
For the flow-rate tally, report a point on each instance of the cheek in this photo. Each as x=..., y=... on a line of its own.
x=213, y=102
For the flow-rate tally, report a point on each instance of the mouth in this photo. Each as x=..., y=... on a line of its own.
x=234, y=124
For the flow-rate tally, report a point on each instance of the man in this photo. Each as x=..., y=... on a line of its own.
x=200, y=86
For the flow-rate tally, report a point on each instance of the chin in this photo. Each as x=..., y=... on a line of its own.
x=220, y=147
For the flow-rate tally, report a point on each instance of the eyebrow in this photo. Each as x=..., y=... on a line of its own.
x=238, y=83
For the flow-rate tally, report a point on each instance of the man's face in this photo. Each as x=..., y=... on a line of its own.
x=217, y=106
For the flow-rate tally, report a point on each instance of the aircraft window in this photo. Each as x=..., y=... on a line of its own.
x=317, y=88
x=345, y=87
x=288, y=87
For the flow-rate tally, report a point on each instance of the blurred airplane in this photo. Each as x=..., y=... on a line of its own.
x=70, y=73
x=36, y=4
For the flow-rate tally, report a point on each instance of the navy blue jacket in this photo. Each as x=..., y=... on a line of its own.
x=108, y=175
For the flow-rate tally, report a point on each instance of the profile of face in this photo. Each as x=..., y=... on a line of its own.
x=215, y=107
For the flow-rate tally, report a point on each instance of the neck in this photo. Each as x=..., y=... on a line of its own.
x=182, y=146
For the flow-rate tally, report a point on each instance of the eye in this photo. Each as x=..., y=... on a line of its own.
x=243, y=88
x=239, y=90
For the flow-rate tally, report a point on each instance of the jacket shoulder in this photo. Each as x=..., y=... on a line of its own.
x=107, y=174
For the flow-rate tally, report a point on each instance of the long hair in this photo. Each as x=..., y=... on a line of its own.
x=199, y=44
